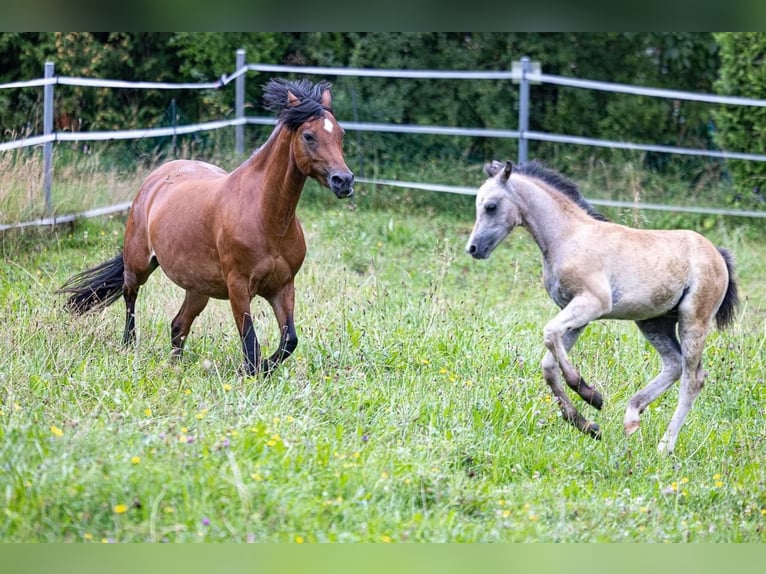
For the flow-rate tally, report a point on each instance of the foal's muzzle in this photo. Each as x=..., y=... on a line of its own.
x=341, y=183
x=476, y=252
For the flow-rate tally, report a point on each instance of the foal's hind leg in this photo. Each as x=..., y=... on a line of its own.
x=661, y=333
x=692, y=332
x=551, y=372
x=192, y=306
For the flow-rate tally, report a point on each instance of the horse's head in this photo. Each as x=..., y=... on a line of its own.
x=317, y=138
x=496, y=211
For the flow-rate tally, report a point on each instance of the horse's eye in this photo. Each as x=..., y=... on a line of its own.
x=490, y=207
x=309, y=138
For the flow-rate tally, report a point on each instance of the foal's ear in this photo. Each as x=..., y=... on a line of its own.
x=493, y=168
x=327, y=98
x=292, y=101
x=508, y=168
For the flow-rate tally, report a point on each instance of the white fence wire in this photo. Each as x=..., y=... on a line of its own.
x=522, y=74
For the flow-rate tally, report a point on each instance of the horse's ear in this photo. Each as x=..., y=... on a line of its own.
x=292, y=101
x=507, y=171
x=493, y=168
x=327, y=98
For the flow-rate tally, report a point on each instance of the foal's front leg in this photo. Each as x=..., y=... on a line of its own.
x=568, y=410
x=579, y=312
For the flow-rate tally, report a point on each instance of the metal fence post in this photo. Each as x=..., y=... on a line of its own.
x=48, y=130
x=523, y=109
x=239, y=104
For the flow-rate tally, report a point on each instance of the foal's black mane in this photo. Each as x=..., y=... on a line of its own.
x=310, y=96
x=560, y=183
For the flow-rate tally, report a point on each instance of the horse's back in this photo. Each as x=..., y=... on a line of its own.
x=172, y=207
x=177, y=172
x=176, y=186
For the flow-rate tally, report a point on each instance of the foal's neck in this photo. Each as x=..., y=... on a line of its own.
x=548, y=215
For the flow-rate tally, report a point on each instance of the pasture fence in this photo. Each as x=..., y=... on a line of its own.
x=523, y=73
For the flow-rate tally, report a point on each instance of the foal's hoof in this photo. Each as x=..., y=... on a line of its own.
x=594, y=431
x=631, y=427
x=596, y=401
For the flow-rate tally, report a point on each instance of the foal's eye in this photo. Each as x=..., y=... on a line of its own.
x=490, y=207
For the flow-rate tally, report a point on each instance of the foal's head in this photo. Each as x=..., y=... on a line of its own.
x=496, y=211
x=305, y=109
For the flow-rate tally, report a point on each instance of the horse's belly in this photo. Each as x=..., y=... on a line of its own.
x=199, y=278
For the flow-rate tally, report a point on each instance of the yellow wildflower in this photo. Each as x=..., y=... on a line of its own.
x=57, y=431
x=120, y=508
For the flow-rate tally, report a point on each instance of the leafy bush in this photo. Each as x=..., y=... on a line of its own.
x=740, y=128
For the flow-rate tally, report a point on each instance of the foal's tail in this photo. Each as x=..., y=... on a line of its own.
x=725, y=315
x=94, y=288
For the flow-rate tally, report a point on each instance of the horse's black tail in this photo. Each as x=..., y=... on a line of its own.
x=726, y=312
x=94, y=288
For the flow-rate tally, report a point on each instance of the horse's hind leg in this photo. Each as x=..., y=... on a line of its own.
x=551, y=374
x=192, y=306
x=661, y=333
x=132, y=281
x=692, y=333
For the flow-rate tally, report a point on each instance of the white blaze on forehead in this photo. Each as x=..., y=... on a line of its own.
x=328, y=125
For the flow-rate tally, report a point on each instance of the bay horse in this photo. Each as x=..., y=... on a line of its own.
x=228, y=235
x=672, y=283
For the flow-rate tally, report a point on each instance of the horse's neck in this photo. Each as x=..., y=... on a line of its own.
x=549, y=216
x=272, y=181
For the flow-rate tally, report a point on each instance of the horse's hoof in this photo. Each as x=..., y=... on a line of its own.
x=631, y=427
x=246, y=371
x=267, y=367
x=596, y=400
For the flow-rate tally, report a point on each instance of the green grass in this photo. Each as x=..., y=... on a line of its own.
x=413, y=410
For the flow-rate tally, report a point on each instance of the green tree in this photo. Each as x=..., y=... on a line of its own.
x=743, y=128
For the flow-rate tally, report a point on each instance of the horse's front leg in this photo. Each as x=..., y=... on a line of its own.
x=562, y=331
x=283, y=305
x=239, y=297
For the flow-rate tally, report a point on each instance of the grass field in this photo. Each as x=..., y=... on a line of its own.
x=413, y=410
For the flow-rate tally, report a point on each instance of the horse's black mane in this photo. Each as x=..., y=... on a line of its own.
x=310, y=96
x=559, y=182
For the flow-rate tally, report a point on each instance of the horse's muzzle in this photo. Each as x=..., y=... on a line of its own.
x=341, y=183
